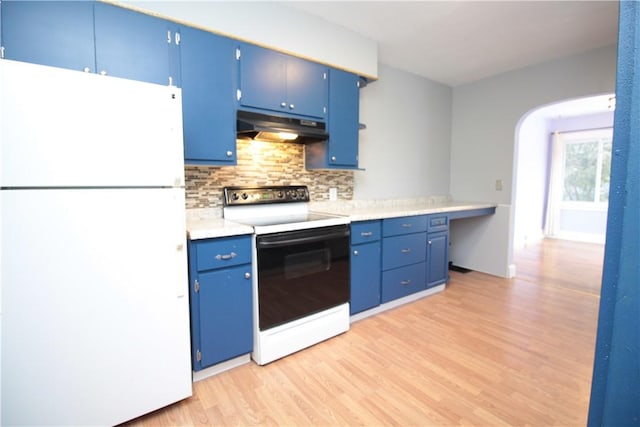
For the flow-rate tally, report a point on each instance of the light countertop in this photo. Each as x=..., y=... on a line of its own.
x=208, y=223
x=370, y=210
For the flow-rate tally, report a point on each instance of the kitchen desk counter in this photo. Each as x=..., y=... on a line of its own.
x=380, y=209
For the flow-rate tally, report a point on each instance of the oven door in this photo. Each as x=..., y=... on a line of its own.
x=301, y=273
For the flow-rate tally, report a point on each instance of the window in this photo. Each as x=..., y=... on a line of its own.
x=587, y=166
x=578, y=194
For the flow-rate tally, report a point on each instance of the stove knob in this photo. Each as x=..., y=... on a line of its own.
x=234, y=196
x=245, y=196
x=301, y=193
x=280, y=195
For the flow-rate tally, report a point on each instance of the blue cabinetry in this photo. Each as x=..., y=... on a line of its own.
x=341, y=150
x=404, y=255
x=208, y=97
x=365, y=265
x=55, y=33
x=90, y=37
x=133, y=45
x=282, y=83
x=437, y=271
x=221, y=299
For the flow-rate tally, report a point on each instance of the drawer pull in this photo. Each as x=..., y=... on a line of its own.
x=405, y=251
x=407, y=225
x=405, y=282
x=355, y=253
x=429, y=242
x=226, y=257
x=366, y=234
x=247, y=275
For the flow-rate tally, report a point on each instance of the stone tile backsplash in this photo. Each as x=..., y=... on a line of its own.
x=263, y=163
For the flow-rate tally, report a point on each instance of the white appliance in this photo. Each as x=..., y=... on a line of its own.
x=301, y=268
x=95, y=310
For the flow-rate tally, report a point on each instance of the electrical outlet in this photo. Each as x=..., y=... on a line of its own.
x=333, y=194
x=498, y=185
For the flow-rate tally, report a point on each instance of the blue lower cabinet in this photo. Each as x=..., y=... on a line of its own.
x=365, y=276
x=221, y=301
x=403, y=281
x=437, y=258
x=225, y=314
x=366, y=263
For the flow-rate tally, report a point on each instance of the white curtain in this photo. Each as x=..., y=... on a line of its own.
x=552, y=221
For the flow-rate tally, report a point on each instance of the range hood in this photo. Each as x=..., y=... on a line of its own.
x=265, y=127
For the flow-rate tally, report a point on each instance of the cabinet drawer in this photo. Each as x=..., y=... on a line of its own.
x=224, y=252
x=402, y=281
x=403, y=250
x=404, y=225
x=365, y=231
x=438, y=223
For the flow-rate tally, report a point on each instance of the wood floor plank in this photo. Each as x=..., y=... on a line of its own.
x=485, y=352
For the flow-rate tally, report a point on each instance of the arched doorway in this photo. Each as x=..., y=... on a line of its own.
x=533, y=165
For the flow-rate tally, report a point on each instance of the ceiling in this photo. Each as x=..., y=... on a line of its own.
x=458, y=42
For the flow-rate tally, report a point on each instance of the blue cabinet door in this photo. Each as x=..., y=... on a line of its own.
x=208, y=97
x=54, y=33
x=307, y=84
x=344, y=115
x=341, y=150
x=225, y=303
x=263, y=78
x=437, y=258
x=132, y=45
x=365, y=276
x=274, y=81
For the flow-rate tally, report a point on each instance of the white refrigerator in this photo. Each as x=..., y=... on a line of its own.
x=94, y=290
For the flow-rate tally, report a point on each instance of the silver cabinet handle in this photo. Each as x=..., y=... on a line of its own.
x=429, y=242
x=226, y=257
x=247, y=275
x=405, y=251
x=405, y=282
x=103, y=72
x=291, y=106
x=229, y=153
x=355, y=253
x=407, y=225
x=86, y=69
x=333, y=158
x=283, y=104
x=366, y=234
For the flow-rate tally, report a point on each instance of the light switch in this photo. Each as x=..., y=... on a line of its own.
x=498, y=185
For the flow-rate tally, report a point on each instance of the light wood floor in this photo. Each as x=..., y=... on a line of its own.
x=485, y=352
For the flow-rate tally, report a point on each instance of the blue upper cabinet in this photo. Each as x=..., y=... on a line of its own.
x=208, y=97
x=341, y=150
x=55, y=33
x=91, y=37
x=133, y=45
x=274, y=81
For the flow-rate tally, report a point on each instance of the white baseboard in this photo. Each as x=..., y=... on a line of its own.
x=221, y=367
x=397, y=303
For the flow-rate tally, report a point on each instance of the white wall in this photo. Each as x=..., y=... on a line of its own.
x=405, y=148
x=276, y=26
x=532, y=165
x=485, y=117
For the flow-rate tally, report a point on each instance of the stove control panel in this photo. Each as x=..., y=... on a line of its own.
x=234, y=196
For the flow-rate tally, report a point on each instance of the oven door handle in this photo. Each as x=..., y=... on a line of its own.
x=267, y=242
